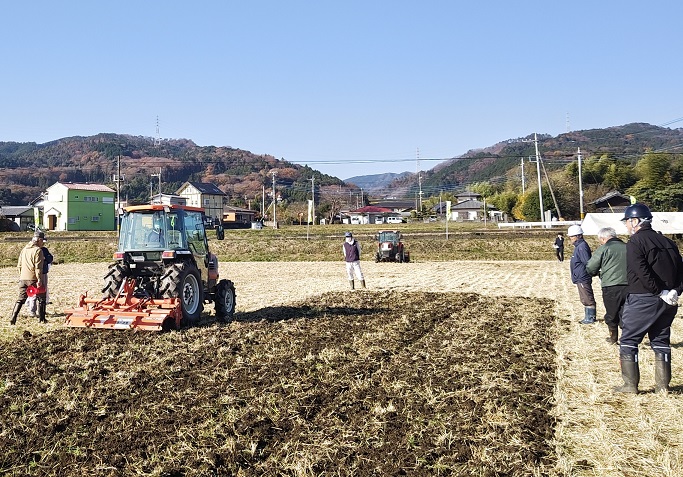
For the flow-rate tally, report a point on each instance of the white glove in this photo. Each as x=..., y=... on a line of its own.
x=673, y=298
x=670, y=297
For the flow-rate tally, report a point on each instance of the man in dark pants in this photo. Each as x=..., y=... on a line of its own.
x=655, y=279
x=30, y=265
x=559, y=247
x=609, y=260
x=580, y=277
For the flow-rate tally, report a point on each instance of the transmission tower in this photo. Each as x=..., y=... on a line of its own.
x=157, y=138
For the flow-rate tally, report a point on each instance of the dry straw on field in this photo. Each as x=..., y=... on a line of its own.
x=596, y=433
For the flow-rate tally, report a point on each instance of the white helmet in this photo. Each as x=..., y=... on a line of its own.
x=574, y=230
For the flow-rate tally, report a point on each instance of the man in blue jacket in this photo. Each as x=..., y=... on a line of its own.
x=580, y=276
x=655, y=279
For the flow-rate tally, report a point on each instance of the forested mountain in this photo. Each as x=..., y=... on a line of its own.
x=26, y=169
x=375, y=182
x=502, y=161
x=638, y=159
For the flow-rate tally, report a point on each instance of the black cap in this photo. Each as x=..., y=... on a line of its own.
x=39, y=235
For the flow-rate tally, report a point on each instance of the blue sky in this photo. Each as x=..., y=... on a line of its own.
x=350, y=88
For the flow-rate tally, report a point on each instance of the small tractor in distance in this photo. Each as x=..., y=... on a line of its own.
x=163, y=273
x=390, y=248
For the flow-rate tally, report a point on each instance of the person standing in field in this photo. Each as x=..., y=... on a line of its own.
x=30, y=265
x=559, y=247
x=655, y=280
x=32, y=302
x=609, y=261
x=580, y=277
x=351, y=249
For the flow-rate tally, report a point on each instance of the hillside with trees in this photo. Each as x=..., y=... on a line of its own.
x=27, y=169
x=637, y=159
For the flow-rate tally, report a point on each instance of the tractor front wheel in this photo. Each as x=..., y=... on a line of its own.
x=225, y=301
x=181, y=280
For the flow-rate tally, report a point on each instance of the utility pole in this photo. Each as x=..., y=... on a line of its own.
x=580, y=187
x=538, y=171
x=522, y=175
x=313, y=199
x=419, y=182
x=440, y=206
x=274, y=172
x=118, y=179
x=263, y=201
x=159, y=176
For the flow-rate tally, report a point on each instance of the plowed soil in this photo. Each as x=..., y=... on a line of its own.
x=392, y=380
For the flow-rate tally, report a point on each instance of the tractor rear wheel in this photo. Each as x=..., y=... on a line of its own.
x=181, y=280
x=225, y=301
x=114, y=279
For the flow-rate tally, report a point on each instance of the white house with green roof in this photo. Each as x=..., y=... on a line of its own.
x=71, y=206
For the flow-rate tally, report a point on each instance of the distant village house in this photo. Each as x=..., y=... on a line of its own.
x=205, y=195
x=75, y=207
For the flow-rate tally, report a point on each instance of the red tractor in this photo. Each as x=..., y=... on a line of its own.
x=390, y=248
x=162, y=276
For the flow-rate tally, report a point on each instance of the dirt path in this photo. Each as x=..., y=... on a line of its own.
x=597, y=430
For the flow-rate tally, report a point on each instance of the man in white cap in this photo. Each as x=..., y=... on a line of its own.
x=580, y=276
x=351, y=249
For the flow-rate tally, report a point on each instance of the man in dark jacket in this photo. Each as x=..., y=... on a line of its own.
x=559, y=247
x=351, y=250
x=580, y=277
x=655, y=279
x=609, y=260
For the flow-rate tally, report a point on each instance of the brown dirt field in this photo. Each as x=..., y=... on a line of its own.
x=467, y=368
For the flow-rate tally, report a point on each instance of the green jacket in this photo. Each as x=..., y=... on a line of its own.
x=610, y=261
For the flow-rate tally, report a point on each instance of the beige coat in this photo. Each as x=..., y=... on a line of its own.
x=30, y=263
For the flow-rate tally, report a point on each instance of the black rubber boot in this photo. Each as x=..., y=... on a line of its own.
x=362, y=283
x=15, y=312
x=613, y=336
x=630, y=372
x=662, y=372
x=41, y=310
x=589, y=316
x=352, y=285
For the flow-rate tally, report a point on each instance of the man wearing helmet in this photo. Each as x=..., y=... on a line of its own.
x=655, y=279
x=580, y=276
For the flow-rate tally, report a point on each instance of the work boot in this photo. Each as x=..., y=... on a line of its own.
x=352, y=285
x=630, y=372
x=362, y=283
x=662, y=372
x=589, y=316
x=15, y=312
x=613, y=336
